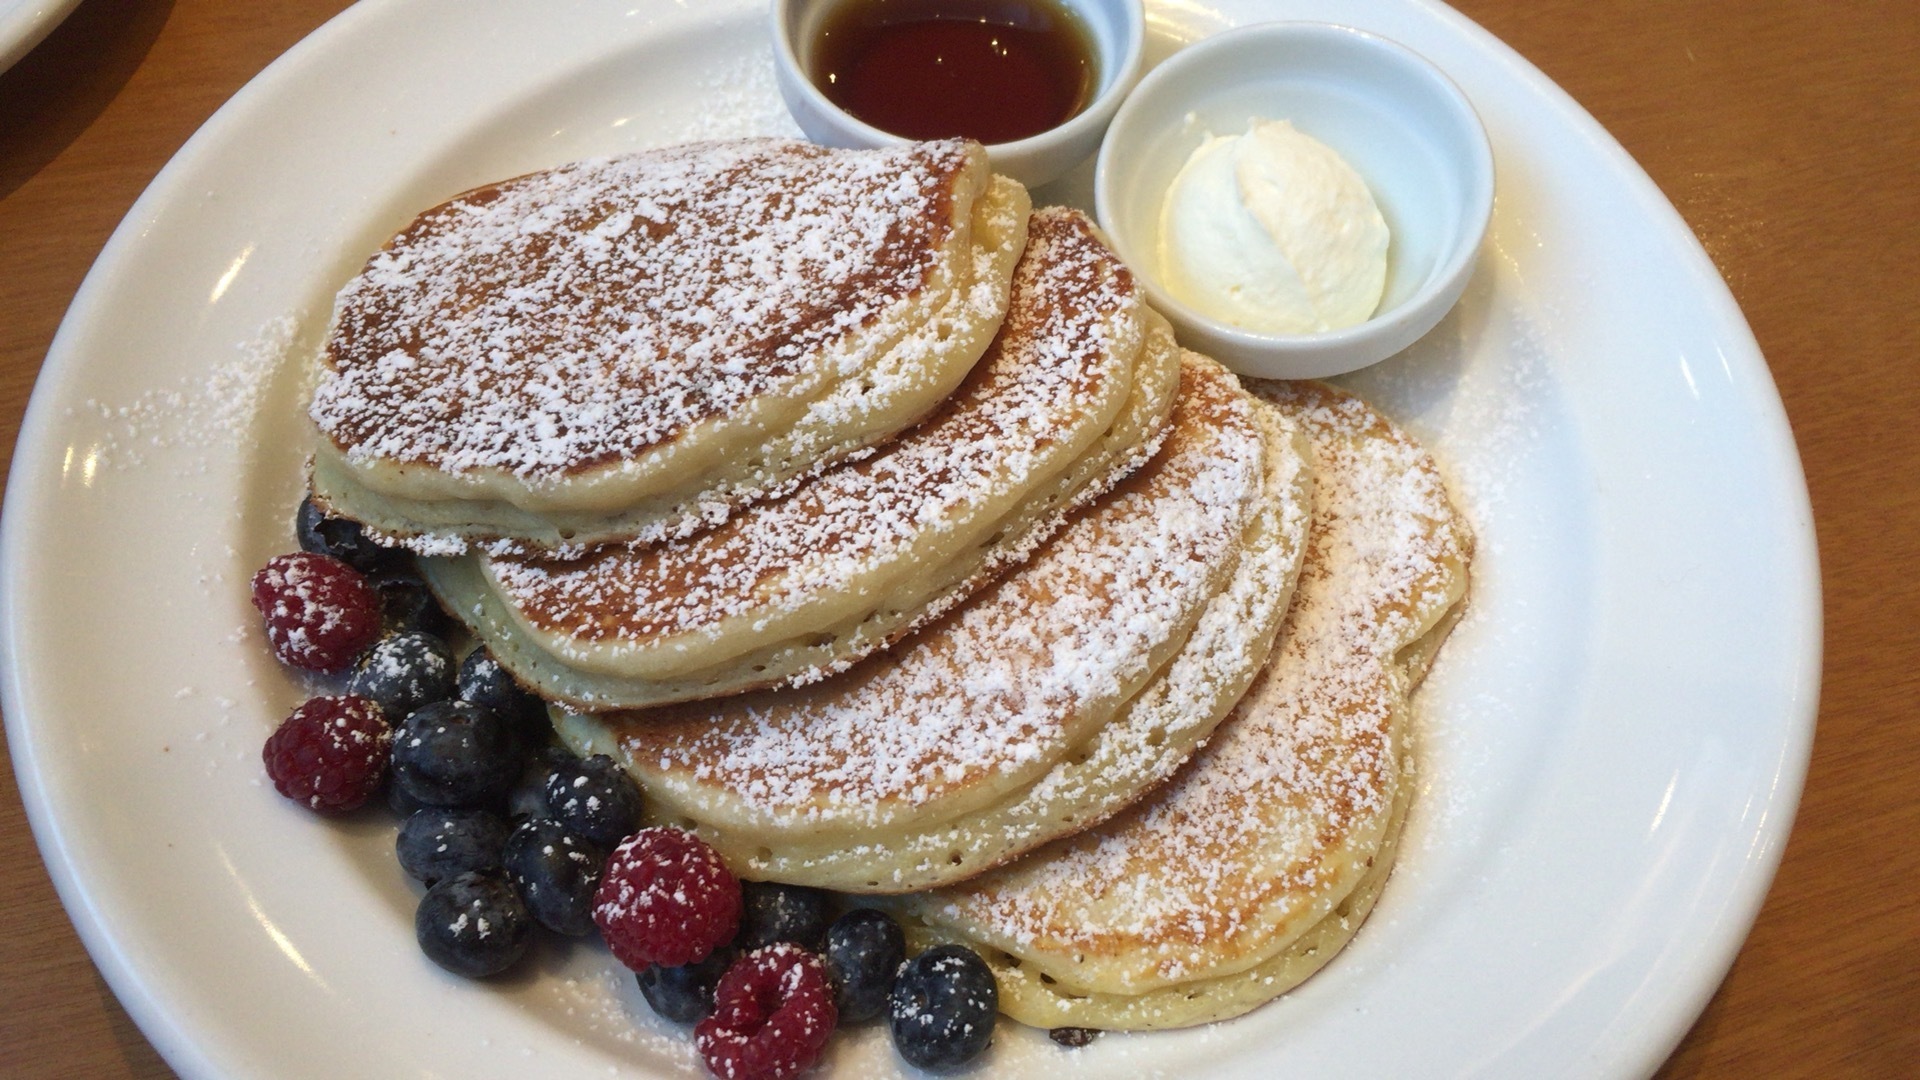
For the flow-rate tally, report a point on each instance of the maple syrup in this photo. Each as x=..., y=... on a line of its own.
x=992, y=70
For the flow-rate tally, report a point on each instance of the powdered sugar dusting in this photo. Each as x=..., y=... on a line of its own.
x=1489, y=401
x=738, y=97
x=1260, y=823
x=1216, y=654
x=1155, y=732
x=1489, y=409
x=582, y=315
x=1005, y=685
x=215, y=411
x=1055, y=360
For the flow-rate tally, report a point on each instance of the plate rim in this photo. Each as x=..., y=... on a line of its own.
x=158, y=1024
x=28, y=25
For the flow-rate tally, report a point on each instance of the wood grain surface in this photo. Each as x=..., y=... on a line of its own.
x=1786, y=131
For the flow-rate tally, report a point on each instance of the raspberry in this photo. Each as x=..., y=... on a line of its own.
x=772, y=1014
x=319, y=611
x=665, y=898
x=331, y=753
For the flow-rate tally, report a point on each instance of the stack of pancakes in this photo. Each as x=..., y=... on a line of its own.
x=881, y=530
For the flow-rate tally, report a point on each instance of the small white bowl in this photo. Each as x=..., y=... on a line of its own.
x=1401, y=123
x=1117, y=32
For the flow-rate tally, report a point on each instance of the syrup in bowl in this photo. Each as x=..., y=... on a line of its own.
x=996, y=71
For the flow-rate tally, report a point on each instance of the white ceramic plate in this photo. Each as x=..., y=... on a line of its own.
x=23, y=23
x=1613, y=743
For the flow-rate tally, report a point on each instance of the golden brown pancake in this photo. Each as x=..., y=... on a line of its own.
x=962, y=746
x=1071, y=396
x=627, y=347
x=1259, y=860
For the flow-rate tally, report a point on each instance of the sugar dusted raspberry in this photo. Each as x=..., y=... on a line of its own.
x=330, y=754
x=772, y=1014
x=665, y=898
x=319, y=612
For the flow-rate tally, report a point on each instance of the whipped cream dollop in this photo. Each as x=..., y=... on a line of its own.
x=1273, y=231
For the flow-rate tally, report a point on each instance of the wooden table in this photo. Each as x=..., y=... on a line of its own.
x=1787, y=133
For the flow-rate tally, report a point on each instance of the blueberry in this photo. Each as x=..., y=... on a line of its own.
x=484, y=682
x=1074, y=1037
x=685, y=994
x=404, y=672
x=596, y=798
x=454, y=753
x=943, y=1006
x=402, y=804
x=556, y=873
x=436, y=843
x=340, y=538
x=473, y=924
x=405, y=601
x=528, y=799
x=771, y=912
x=864, y=951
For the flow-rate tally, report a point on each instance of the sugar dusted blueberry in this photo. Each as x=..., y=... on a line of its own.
x=484, y=682
x=454, y=753
x=473, y=924
x=595, y=797
x=405, y=601
x=528, y=799
x=557, y=873
x=773, y=912
x=340, y=538
x=943, y=1007
x=403, y=672
x=1073, y=1037
x=864, y=951
x=436, y=843
x=684, y=994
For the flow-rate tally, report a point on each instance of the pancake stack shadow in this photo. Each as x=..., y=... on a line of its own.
x=876, y=525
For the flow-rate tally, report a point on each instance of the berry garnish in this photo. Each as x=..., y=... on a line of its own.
x=330, y=754
x=405, y=601
x=340, y=538
x=865, y=948
x=484, y=682
x=1074, y=1037
x=684, y=994
x=666, y=898
x=595, y=797
x=528, y=799
x=402, y=804
x=772, y=1014
x=403, y=672
x=319, y=612
x=943, y=1007
x=557, y=874
x=452, y=753
x=473, y=924
x=436, y=843
x=771, y=912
